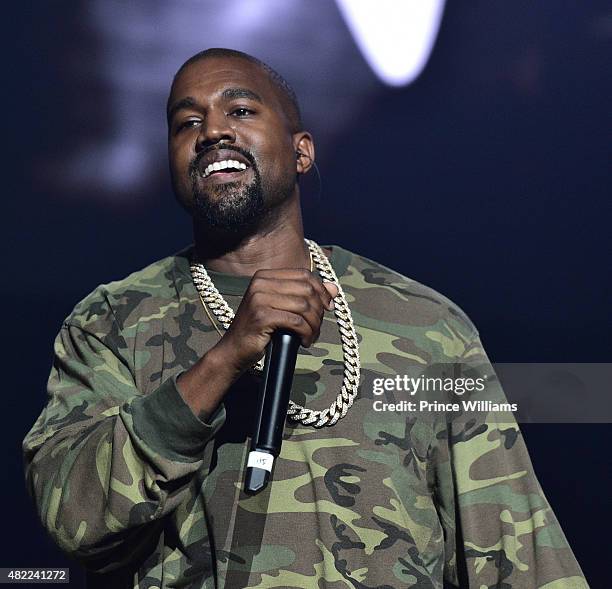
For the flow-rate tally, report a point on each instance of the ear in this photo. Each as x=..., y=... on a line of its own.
x=305, y=151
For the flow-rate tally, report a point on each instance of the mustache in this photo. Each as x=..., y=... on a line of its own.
x=194, y=166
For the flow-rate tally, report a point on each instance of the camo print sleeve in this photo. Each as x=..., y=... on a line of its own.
x=125, y=479
x=502, y=531
x=105, y=463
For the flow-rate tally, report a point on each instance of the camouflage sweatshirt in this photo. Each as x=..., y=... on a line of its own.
x=130, y=482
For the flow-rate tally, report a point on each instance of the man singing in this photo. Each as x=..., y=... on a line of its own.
x=137, y=462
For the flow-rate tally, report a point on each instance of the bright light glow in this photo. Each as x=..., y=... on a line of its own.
x=395, y=36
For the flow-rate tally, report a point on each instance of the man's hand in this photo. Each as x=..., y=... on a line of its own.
x=276, y=299
x=291, y=299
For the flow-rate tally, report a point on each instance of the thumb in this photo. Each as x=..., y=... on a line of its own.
x=332, y=289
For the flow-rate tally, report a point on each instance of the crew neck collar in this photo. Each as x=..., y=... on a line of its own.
x=235, y=284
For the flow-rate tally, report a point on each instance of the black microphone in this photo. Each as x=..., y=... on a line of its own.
x=279, y=366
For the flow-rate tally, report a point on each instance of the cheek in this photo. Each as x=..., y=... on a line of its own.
x=280, y=162
x=180, y=159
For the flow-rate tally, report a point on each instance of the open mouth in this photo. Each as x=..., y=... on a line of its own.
x=223, y=167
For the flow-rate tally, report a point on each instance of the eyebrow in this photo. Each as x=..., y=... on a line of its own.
x=232, y=93
x=227, y=94
x=187, y=102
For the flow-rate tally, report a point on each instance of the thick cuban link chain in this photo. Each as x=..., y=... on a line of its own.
x=212, y=299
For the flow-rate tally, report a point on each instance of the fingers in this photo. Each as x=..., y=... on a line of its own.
x=273, y=319
x=310, y=309
x=332, y=289
x=292, y=281
x=292, y=299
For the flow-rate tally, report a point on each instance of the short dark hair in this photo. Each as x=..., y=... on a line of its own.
x=286, y=92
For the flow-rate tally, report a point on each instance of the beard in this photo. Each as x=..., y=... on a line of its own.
x=235, y=207
x=231, y=207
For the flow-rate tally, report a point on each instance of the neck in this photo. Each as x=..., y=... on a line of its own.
x=278, y=242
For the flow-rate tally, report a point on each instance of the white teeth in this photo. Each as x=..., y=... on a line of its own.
x=222, y=165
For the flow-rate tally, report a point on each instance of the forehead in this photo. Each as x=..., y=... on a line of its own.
x=208, y=77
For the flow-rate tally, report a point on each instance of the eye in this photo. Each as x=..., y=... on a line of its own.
x=187, y=124
x=242, y=112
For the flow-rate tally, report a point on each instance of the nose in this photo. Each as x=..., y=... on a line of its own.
x=215, y=127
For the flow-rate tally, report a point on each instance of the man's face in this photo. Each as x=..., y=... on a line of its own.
x=225, y=113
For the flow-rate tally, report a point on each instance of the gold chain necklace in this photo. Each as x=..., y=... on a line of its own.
x=214, y=323
x=211, y=299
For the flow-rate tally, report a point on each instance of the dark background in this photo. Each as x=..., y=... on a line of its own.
x=488, y=179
